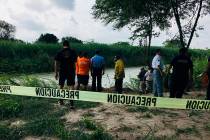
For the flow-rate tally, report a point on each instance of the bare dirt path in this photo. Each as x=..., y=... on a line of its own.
x=131, y=123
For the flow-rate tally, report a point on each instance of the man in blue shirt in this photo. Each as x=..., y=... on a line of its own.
x=97, y=70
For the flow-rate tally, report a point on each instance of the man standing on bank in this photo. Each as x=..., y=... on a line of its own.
x=119, y=74
x=65, y=68
x=97, y=70
x=157, y=65
x=182, y=73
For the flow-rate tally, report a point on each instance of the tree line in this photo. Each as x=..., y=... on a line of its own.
x=146, y=18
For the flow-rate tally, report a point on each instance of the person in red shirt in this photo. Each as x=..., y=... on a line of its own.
x=82, y=70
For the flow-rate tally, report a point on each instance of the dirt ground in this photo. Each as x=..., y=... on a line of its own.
x=131, y=123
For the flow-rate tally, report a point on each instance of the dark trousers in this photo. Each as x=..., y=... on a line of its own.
x=96, y=78
x=118, y=85
x=208, y=92
x=177, y=87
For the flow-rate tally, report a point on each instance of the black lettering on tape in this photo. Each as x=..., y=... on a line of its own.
x=143, y=101
x=207, y=105
x=71, y=95
x=114, y=99
x=37, y=91
x=48, y=92
x=122, y=99
x=133, y=101
x=77, y=94
x=58, y=94
x=138, y=102
x=109, y=98
x=128, y=100
x=5, y=89
x=202, y=105
x=63, y=93
x=154, y=101
x=193, y=104
x=67, y=94
x=148, y=103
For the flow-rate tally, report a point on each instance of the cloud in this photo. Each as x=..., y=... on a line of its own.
x=28, y=21
x=38, y=5
x=31, y=24
x=73, y=20
x=64, y=4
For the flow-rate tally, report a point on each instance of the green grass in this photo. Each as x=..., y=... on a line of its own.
x=85, y=105
x=87, y=123
x=207, y=126
x=195, y=113
x=42, y=119
x=41, y=116
x=189, y=130
x=9, y=133
x=9, y=108
x=147, y=115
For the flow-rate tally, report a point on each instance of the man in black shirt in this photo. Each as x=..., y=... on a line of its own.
x=182, y=73
x=65, y=68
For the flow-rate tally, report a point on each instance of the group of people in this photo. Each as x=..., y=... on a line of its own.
x=180, y=70
x=145, y=78
x=68, y=66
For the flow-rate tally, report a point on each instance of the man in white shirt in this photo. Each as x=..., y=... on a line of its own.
x=157, y=65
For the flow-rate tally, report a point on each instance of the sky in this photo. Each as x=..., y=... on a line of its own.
x=73, y=18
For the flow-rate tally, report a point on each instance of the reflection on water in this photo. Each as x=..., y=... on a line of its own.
x=107, y=80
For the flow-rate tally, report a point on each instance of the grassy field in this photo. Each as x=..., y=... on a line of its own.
x=21, y=117
x=28, y=118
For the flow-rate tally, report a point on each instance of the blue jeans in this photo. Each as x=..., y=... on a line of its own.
x=157, y=84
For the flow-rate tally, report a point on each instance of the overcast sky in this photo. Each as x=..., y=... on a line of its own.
x=73, y=18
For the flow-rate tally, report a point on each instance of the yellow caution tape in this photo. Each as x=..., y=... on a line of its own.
x=122, y=99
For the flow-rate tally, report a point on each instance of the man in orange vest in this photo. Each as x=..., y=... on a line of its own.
x=82, y=70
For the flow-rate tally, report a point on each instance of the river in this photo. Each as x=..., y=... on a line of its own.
x=107, y=79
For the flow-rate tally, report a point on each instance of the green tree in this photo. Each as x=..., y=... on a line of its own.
x=188, y=11
x=48, y=38
x=173, y=43
x=7, y=30
x=72, y=40
x=140, y=16
x=121, y=44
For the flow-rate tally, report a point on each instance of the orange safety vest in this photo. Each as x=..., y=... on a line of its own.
x=82, y=66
